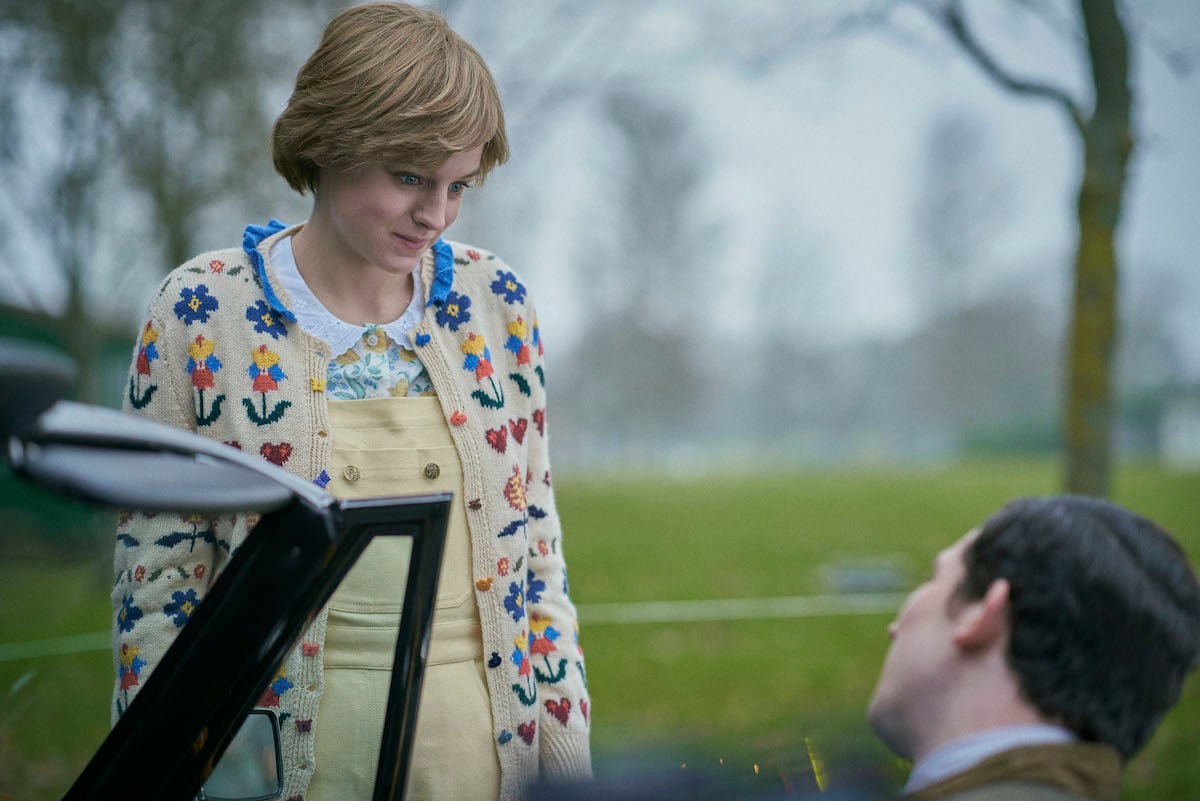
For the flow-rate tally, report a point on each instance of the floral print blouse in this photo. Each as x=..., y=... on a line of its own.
x=377, y=360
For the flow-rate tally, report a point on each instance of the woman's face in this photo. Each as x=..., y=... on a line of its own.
x=385, y=215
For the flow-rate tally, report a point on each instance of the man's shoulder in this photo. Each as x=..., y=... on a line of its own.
x=1014, y=791
x=1076, y=771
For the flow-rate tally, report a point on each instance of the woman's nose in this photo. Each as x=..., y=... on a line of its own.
x=431, y=211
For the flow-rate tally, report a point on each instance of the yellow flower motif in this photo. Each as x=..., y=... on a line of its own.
x=318, y=384
x=376, y=339
x=400, y=390
x=407, y=355
x=522, y=642
x=519, y=329
x=187, y=607
x=128, y=654
x=200, y=349
x=349, y=357
x=149, y=335
x=538, y=623
x=263, y=359
x=474, y=345
x=514, y=491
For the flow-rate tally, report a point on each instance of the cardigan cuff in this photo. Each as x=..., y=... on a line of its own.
x=565, y=757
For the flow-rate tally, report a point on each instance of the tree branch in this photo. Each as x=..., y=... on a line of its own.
x=952, y=18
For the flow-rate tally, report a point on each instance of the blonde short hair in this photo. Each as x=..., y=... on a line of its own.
x=388, y=82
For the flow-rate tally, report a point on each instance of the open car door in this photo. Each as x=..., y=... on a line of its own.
x=189, y=710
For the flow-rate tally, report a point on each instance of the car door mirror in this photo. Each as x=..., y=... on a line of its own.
x=251, y=769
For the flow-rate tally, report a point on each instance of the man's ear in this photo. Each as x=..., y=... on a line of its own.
x=984, y=621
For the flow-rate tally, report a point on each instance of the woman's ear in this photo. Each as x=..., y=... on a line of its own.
x=984, y=621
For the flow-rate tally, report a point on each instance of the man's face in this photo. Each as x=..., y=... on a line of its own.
x=920, y=657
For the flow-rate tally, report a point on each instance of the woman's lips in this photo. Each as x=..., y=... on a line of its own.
x=412, y=243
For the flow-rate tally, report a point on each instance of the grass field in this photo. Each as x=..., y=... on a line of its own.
x=719, y=697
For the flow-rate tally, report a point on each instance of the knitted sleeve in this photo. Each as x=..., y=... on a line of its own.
x=553, y=623
x=163, y=563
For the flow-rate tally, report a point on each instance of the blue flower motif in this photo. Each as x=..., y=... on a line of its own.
x=515, y=602
x=423, y=340
x=265, y=320
x=281, y=685
x=129, y=614
x=536, y=587
x=182, y=605
x=454, y=311
x=195, y=305
x=508, y=287
x=504, y=737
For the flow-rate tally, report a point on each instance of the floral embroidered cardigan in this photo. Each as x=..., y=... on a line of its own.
x=221, y=355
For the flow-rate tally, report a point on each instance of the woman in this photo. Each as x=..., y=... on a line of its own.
x=363, y=351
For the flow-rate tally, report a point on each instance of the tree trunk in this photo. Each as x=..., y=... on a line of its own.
x=1107, y=147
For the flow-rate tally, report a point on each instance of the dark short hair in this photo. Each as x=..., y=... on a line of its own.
x=1104, y=612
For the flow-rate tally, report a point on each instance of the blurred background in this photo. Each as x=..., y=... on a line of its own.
x=806, y=274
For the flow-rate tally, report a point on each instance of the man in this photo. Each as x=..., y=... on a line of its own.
x=1040, y=655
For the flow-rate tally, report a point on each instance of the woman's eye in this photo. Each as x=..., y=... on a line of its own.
x=458, y=187
x=407, y=178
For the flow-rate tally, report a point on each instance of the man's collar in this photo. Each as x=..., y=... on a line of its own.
x=1083, y=769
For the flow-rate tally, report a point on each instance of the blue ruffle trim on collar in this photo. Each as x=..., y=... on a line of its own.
x=251, y=238
x=443, y=271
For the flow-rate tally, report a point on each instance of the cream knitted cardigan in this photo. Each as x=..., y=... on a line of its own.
x=221, y=355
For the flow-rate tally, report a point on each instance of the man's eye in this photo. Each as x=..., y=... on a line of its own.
x=407, y=178
x=458, y=187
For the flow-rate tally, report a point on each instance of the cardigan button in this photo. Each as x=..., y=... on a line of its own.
x=484, y=584
x=352, y=473
x=432, y=471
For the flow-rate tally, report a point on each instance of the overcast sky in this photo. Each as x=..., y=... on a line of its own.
x=824, y=150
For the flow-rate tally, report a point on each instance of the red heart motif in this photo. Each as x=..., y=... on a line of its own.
x=276, y=454
x=560, y=709
x=528, y=731
x=517, y=427
x=498, y=438
x=539, y=420
x=583, y=707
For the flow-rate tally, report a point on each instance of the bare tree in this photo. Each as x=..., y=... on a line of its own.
x=126, y=120
x=1105, y=132
x=962, y=204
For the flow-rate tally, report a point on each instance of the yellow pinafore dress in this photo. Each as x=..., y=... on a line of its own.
x=385, y=447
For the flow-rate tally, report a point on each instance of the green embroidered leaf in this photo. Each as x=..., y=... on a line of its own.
x=521, y=383
x=274, y=416
x=214, y=413
x=553, y=677
x=143, y=401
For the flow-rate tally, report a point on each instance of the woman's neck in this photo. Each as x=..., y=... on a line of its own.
x=354, y=291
